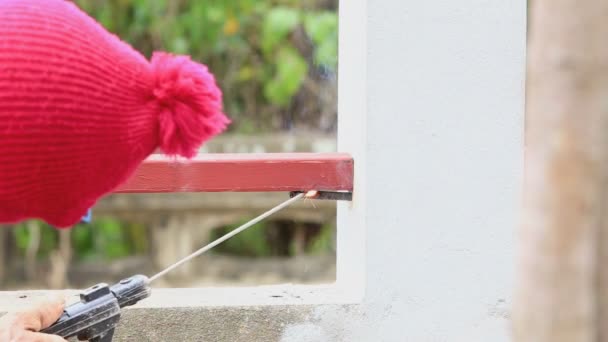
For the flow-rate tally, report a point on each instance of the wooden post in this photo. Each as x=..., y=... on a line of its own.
x=60, y=261
x=31, y=253
x=4, y=267
x=561, y=282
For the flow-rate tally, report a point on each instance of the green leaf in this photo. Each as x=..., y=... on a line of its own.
x=327, y=54
x=324, y=242
x=322, y=28
x=105, y=18
x=110, y=239
x=291, y=72
x=278, y=23
x=215, y=14
x=179, y=45
x=82, y=239
x=246, y=73
x=22, y=237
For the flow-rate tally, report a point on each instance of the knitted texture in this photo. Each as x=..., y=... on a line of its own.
x=80, y=110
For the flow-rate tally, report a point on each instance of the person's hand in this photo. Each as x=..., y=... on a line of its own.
x=25, y=326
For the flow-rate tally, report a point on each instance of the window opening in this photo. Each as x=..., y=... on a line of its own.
x=277, y=65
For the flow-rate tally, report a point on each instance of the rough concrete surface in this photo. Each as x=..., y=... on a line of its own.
x=300, y=323
x=236, y=324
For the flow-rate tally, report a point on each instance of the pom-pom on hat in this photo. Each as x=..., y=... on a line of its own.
x=80, y=110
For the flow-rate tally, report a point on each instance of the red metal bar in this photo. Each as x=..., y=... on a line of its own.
x=244, y=173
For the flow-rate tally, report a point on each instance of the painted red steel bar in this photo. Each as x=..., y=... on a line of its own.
x=244, y=173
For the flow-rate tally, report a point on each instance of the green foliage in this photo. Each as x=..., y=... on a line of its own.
x=250, y=45
x=322, y=27
x=290, y=73
x=23, y=235
x=324, y=242
x=107, y=238
x=103, y=239
x=251, y=242
x=255, y=242
x=278, y=23
x=111, y=239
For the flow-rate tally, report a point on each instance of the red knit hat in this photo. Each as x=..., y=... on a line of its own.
x=80, y=110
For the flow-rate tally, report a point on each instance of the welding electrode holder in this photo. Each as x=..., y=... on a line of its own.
x=96, y=316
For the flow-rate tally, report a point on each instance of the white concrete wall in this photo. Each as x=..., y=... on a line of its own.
x=442, y=172
x=444, y=165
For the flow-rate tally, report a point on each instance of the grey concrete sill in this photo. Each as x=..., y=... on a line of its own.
x=269, y=313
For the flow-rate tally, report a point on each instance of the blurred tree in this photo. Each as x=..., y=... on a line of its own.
x=562, y=292
x=276, y=60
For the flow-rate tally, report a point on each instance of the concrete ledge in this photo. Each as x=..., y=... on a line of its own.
x=267, y=313
x=247, y=324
